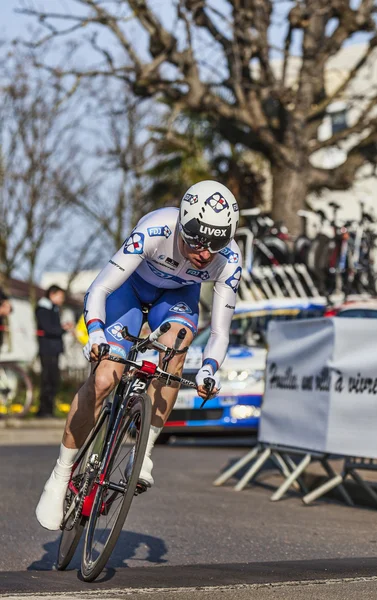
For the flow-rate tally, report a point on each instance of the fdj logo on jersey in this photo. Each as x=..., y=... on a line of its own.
x=159, y=231
x=217, y=202
x=181, y=307
x=234, y=280
x=115, y=331
x=134, y=244
x=204, y=275
x=230, y=255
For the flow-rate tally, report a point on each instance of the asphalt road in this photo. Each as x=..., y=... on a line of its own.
x=188, y=539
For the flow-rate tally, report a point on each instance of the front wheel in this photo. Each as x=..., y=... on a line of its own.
x=116, y=484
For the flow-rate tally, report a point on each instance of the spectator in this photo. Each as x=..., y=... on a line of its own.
x=50, y=339
x=5, y=310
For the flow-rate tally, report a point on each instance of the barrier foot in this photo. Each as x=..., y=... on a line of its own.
x=292, y=465
x=237, y=466
x=293, y=477
x=322, y=489
x=342, y=490
x=253, y=469
x=282, y=464
x=364, y=485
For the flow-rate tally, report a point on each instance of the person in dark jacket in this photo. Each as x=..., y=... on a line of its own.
x=50, y=340
x=5, y=310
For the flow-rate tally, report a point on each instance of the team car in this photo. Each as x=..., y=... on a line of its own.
x=355, y=309
x=236, y=410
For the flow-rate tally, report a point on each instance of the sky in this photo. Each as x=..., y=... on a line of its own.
x=15, y=25
x=12, y=24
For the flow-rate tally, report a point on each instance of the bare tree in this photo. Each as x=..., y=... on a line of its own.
x=120, y=152
x=216, y=57
x=192, y=150
x=37, y=152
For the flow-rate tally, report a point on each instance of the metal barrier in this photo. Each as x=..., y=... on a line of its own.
x=291, y=471
x=317, y=372
x=278, y=281
x=351, y=467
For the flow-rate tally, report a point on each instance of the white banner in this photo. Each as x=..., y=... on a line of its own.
x=321, y=386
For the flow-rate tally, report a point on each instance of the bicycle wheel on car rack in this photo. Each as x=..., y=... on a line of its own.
x=115, y=493
x=16, y=391
x=82, y=480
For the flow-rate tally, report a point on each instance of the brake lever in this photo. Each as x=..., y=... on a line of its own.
x=127, y=336
x=209, y=384
x=103, y=349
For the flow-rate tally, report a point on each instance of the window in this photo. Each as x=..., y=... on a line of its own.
x=338, y=121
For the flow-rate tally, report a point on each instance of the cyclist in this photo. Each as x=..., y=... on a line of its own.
x=160, y=265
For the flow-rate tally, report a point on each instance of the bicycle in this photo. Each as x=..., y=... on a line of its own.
x=102, y=483
x=16, y=390
x=343, y=263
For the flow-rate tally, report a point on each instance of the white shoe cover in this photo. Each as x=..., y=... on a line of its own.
x=146, y=470
x=50, y=508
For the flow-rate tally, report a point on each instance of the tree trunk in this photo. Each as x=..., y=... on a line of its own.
x=289, y=190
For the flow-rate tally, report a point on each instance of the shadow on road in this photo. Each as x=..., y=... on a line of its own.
x=194, y=576
x=130, y=545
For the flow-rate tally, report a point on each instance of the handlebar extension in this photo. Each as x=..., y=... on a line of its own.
x=164, y=328
x=179, y=339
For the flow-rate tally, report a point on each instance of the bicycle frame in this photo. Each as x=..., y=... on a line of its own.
x=133, y=381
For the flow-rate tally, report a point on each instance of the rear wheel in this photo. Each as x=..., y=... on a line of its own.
x=116, y=485
x=319, y=263
x=16, y=391
x=274, y=245
x=301, y=249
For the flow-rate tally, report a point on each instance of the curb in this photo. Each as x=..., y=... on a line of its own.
x=16, y=423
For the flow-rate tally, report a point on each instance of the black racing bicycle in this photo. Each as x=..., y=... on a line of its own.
x=105, y=476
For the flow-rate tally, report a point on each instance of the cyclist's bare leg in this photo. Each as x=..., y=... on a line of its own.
x=87, y=403
x=81, y=419
x=163, y=397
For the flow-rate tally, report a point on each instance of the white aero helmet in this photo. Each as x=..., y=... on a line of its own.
x=208, y=216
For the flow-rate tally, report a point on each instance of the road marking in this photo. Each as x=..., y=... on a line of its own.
x=121, y=592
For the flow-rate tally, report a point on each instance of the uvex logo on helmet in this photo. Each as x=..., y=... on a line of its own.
x=213, y=231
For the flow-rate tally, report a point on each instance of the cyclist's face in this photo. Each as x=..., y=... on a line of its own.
x=198, y=258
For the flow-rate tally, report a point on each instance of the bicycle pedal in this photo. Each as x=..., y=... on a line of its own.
x=141, y=487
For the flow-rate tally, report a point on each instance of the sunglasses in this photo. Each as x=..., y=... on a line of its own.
x=213, y=246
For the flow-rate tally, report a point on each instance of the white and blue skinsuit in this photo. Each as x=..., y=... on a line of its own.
x=150, y=269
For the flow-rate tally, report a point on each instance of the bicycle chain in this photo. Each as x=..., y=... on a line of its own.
x=83, y=493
